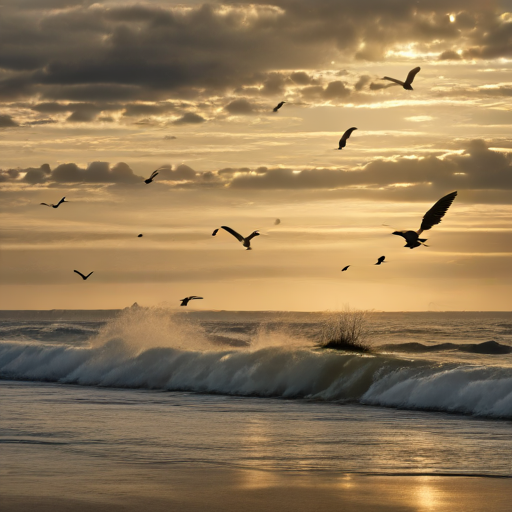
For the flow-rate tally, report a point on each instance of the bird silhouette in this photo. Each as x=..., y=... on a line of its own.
x=81, y=275
x=408, y=81
x=431, y=218
x=277, y=222
x=215, y=231
x=246, y=242
x=345, y=268
x=186, y=300
x=345, y=136
x=56, y=205
x=278, y=106
x=140, y=236
x=381, y=260
x=151, y=178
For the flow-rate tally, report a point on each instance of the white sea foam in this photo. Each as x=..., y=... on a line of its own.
x=155, y=350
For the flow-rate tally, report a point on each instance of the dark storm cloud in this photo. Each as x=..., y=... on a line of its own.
x=96, y=52
x=7, y=122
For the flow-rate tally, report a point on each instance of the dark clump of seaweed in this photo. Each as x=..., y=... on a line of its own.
x=346, y=330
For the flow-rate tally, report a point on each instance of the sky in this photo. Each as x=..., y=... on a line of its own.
x=95, y=95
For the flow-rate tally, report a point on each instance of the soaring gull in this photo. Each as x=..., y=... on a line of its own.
x=151, y=178
x=345, y=136
x=56, y=205
x=278, y=106
x=381, y=260
x=408, y=81
x=186, y=300
x=81, y=275
x=431, y=218
x=246, y=242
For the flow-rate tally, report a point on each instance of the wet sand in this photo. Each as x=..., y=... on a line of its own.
x=97, y=486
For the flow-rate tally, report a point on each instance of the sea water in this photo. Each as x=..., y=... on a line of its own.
x=252, y=390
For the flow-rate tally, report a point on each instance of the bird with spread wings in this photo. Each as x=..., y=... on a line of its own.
x=246, y=241
x=408, y=81
x=430, y=219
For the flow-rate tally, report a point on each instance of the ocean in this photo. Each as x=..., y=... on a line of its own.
x=150, y=389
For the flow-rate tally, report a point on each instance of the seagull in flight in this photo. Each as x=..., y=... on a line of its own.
x=140, y=236
x=81, y=275
x=408, y=81
x=381, y=260
x=151, y=178
x=278, y=106
x=345, y=136
x=56, y=205
x=431, y=218
x=246, y=242
x=186, y=300
x=345, y=268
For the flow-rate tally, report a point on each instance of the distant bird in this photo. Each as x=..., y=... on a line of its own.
x=186, y=300
x=215, y=231
x=277, y=222
x=345, y=137
x=151, y=178
x=381, y=260
x=139, y=236
x=408, y=81
x=278, y=106
x=345, y=268
x=81, y=275
x=56, y=205
x=431, y=218
x=246, y=242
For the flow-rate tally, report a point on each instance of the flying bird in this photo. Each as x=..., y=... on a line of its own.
x=186, y=300
x=56, y=205
x=246, y=242
x=81, y=275
x=408, y=81
x=215, y=231
x=278, y=106
x=139, y=236
x=151, y=178
x=277, y=222
x=345, y=137
x=431, y=218
x=345, y=268
x=381, y=260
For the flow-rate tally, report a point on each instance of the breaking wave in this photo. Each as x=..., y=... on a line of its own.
x=159, y=352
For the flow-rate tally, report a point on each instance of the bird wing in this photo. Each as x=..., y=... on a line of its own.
x=88, y=275
x=61, y=201
x=278, y=106
x=215, y=231
x=348, y=133
x=46, y=204
x=194, y=297
x=252, y=235
x=79, y=273
x=411, y=75
x=399, y=233
x=399, y=82
x=345, y=268
x=382, y=258
x=437, y=212
x=153, y=174
x=238, y=236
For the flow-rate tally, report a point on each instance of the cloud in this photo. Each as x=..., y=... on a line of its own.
x=96, y=172
x=170, y=137
x=7, y=122
x=190, y=118
x=240, y=107
x=181, y=173
x=449, y=55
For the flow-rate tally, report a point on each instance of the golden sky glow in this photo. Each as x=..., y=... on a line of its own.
x=106, y=92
